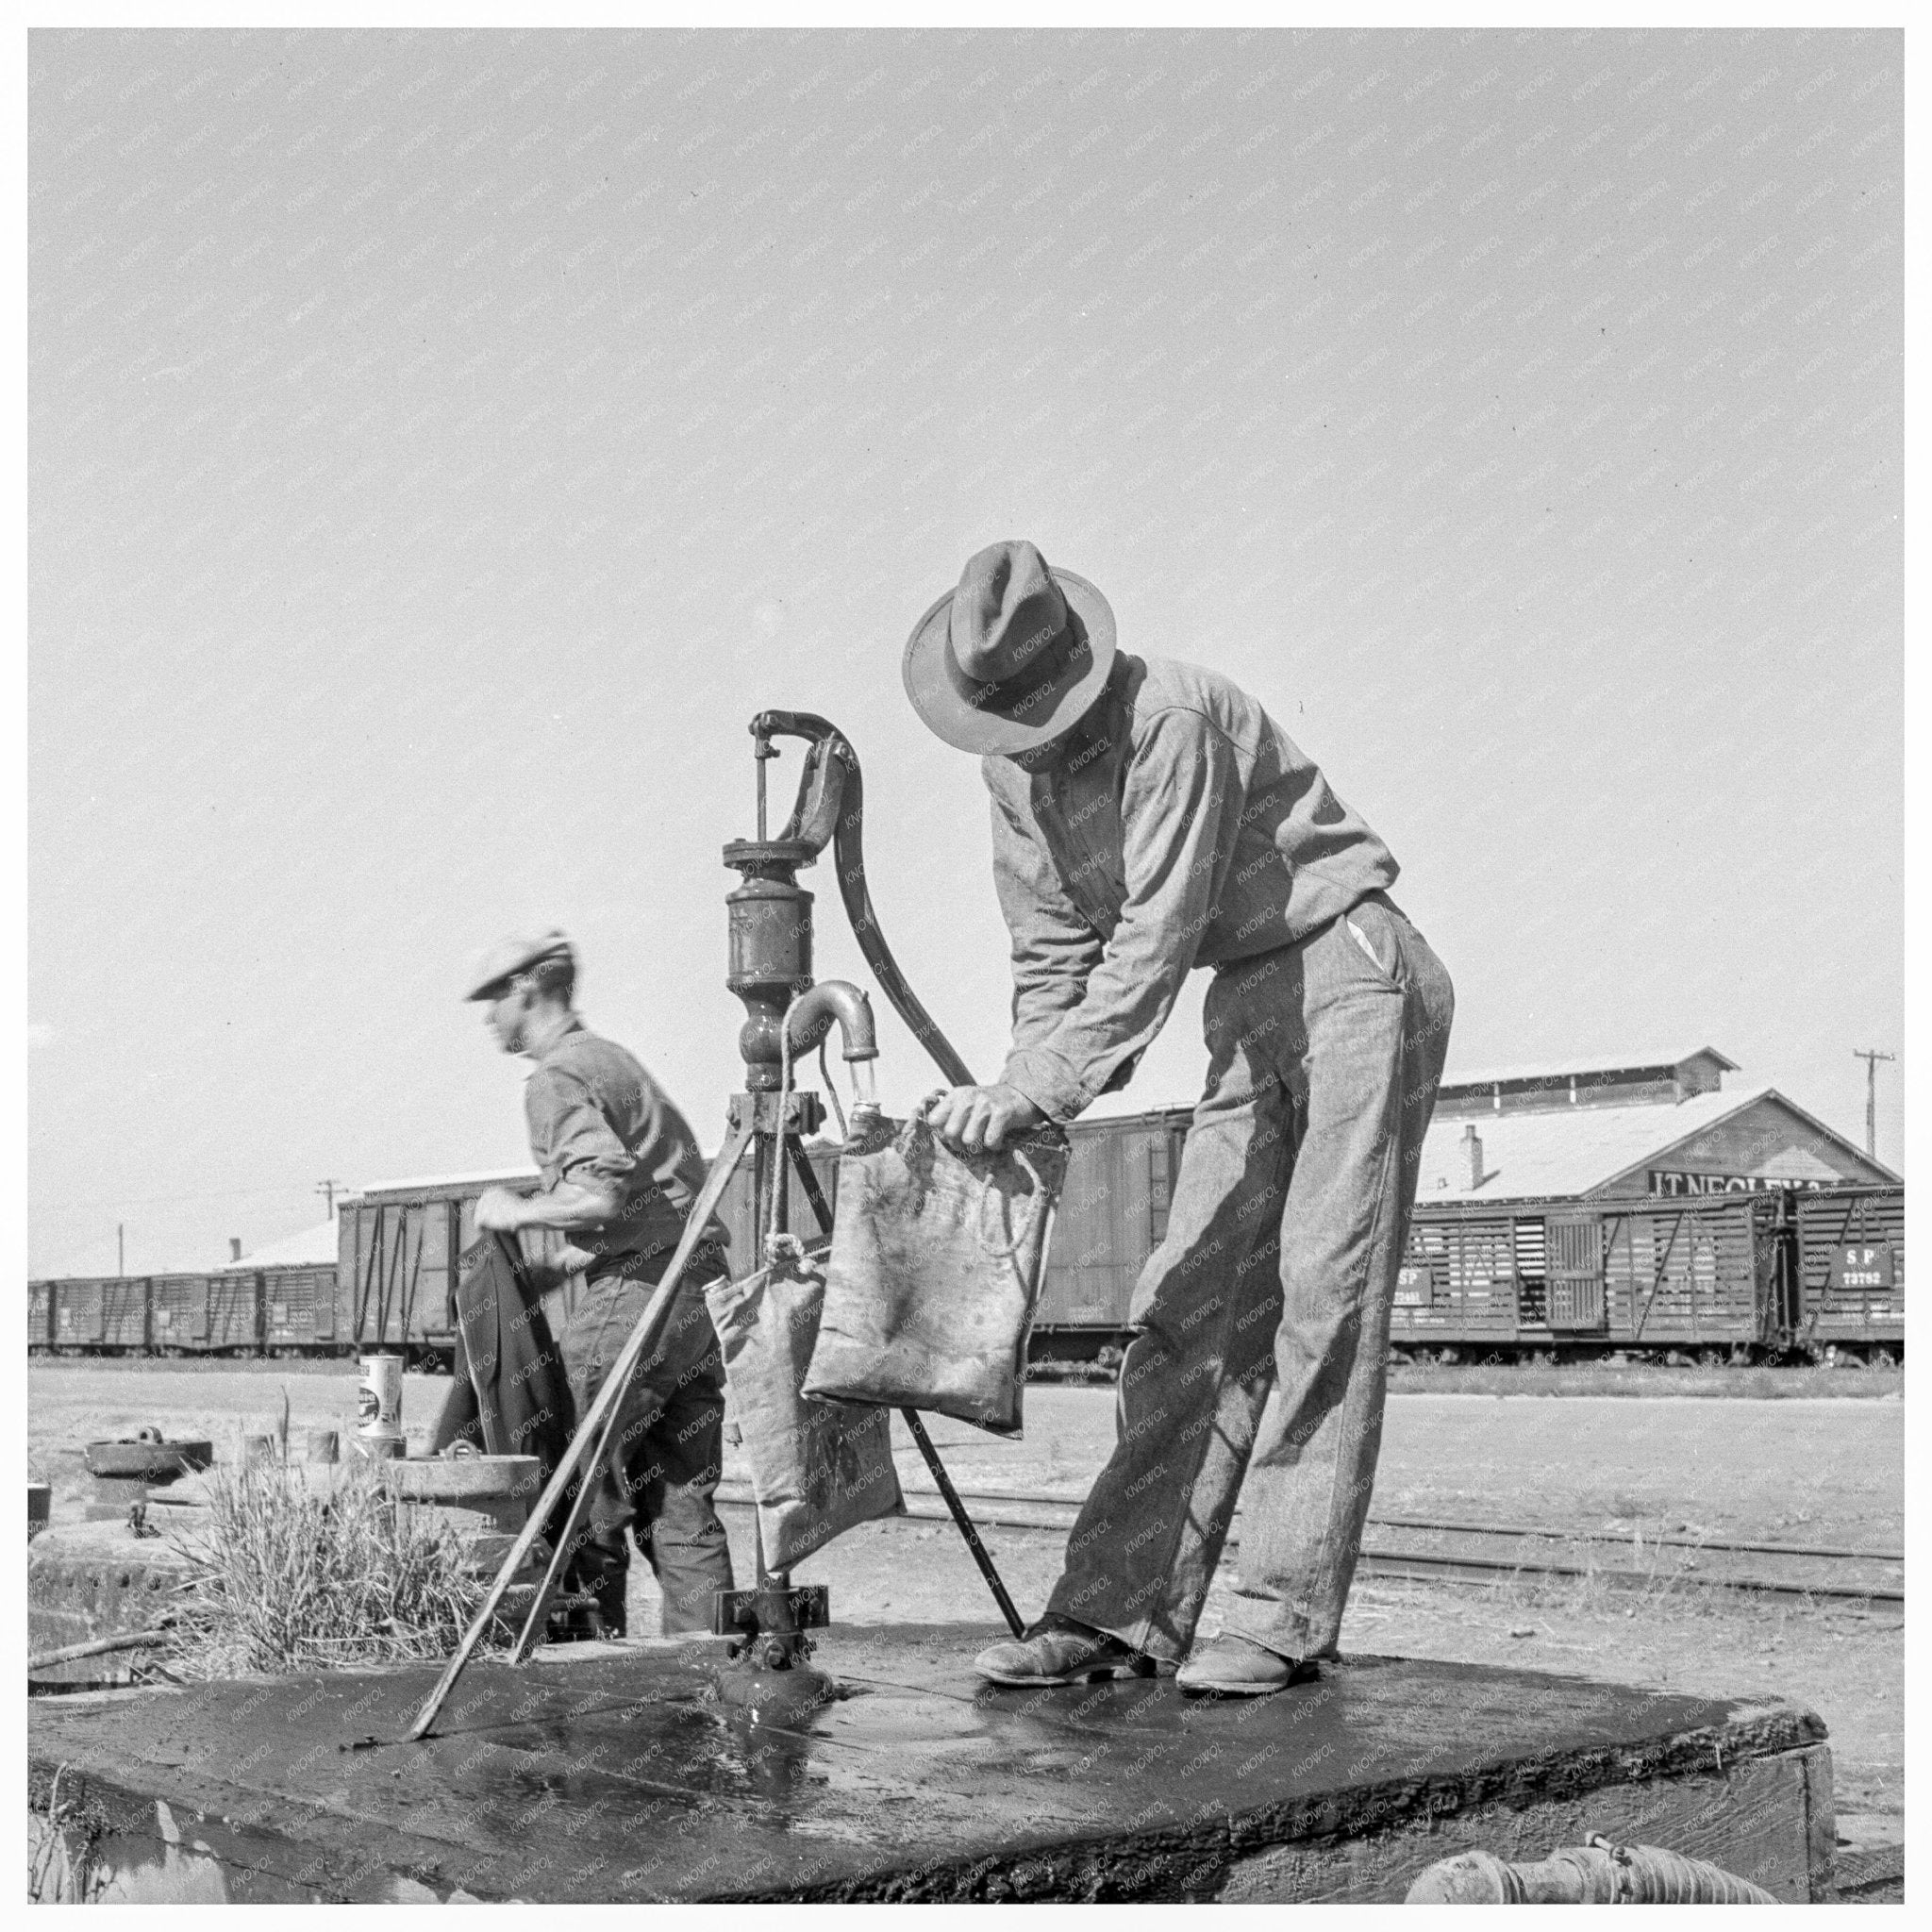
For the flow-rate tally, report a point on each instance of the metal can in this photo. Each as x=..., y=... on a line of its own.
x=379, y=1406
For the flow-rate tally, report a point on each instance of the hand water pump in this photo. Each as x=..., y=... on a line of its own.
x=787, y=1014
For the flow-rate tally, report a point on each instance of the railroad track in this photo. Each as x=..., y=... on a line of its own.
x=1423, y=1549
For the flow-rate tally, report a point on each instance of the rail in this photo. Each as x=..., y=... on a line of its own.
x=1469, y=1559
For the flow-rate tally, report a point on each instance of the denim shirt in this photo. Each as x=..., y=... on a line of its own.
x=1189, y=830
x=596, y=1116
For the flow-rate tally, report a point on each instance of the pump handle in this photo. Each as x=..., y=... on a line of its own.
x=831, y=810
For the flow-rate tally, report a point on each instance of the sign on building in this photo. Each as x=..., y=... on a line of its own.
x=1664, y=1180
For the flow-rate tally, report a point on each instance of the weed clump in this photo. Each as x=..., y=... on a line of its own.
x=63, y=1831
x=289, y=1580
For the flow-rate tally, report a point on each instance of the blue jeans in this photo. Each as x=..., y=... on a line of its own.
x=1288, y=1225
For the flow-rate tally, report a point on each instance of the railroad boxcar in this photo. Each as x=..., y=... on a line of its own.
x=1693, y=1273
x=234, y=1314
x=1851, y=1263
x=1113, y=1215
x=398, y=1262
x=1472, y=1278
x=394, y=1281
x=401, y=1246
x=1759, y=1271
x=178, y=1306
x=123, y=1314
x=298, y=1308
x=1702, y=1273
x=78, y=1307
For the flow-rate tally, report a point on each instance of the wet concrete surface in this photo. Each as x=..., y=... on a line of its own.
x=621, y=1775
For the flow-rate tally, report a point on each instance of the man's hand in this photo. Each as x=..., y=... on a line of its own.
x=970, y=1119
x=553, y=1270
x=499, y=1211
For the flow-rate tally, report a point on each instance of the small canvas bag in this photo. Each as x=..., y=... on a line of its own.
x=818, y=1468
x=935, y=1270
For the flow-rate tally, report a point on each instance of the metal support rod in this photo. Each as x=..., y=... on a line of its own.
x=594, y=1429
x=809, y=1182
x=980, y=1555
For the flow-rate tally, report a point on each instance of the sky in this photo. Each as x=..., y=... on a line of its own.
x=442, y=444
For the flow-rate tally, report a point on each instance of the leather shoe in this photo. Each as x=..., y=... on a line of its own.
x=1233, y=1666
x=1058, y=1651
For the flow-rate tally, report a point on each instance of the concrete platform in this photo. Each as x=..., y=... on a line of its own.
x=95, y=1579
x=617, y=1775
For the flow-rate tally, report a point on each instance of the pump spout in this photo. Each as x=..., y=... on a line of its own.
x=814, y=1010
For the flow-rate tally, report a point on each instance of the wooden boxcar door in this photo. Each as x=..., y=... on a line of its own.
x=1574, y=1257
x=1104, y=1230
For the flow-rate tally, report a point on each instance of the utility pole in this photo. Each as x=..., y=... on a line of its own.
x=1871, y=1056
x=120, y=1248
x=327, y=1189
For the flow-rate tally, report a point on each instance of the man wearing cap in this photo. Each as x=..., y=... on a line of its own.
x=1149, y=817
x=621, y=1171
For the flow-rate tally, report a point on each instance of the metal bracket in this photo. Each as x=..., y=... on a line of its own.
x=772, y=1611
x=770, y=1623
x=804, y=1114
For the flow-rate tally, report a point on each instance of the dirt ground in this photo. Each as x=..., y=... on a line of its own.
x=1845, y=1378
x=1800, y=1469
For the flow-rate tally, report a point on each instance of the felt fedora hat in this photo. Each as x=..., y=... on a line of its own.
x=1011, y=657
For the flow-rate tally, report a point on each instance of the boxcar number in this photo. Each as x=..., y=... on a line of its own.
x=1415, y=1285
x=1854, y=1264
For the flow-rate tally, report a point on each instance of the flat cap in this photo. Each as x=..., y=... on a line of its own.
x=495, y=964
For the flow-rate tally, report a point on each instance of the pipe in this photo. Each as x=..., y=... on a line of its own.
x=813, y=1012
x=99, y=1646
x=1599, y=1873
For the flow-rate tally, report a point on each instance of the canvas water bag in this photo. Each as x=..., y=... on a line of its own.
x=934, y=1272
x=818, y=1468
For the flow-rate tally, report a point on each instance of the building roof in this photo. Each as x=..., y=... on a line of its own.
x=1616, y=1063
x=314, y=1247
x=1575, y=1151
x=422, y=1183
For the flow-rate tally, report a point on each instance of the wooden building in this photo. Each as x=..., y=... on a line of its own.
x=1610, y=1129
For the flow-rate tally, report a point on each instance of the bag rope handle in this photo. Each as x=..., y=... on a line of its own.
x=1033, y=1203
x=918, y=1123
x=782, y=1247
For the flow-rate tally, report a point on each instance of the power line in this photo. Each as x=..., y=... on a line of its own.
x=149, y=1200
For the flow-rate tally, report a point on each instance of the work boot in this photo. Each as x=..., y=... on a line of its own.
x=1056, y=1650
x=575, y=1624
x=601, y=1571
x=610, y=1610
x=1232, y=1666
